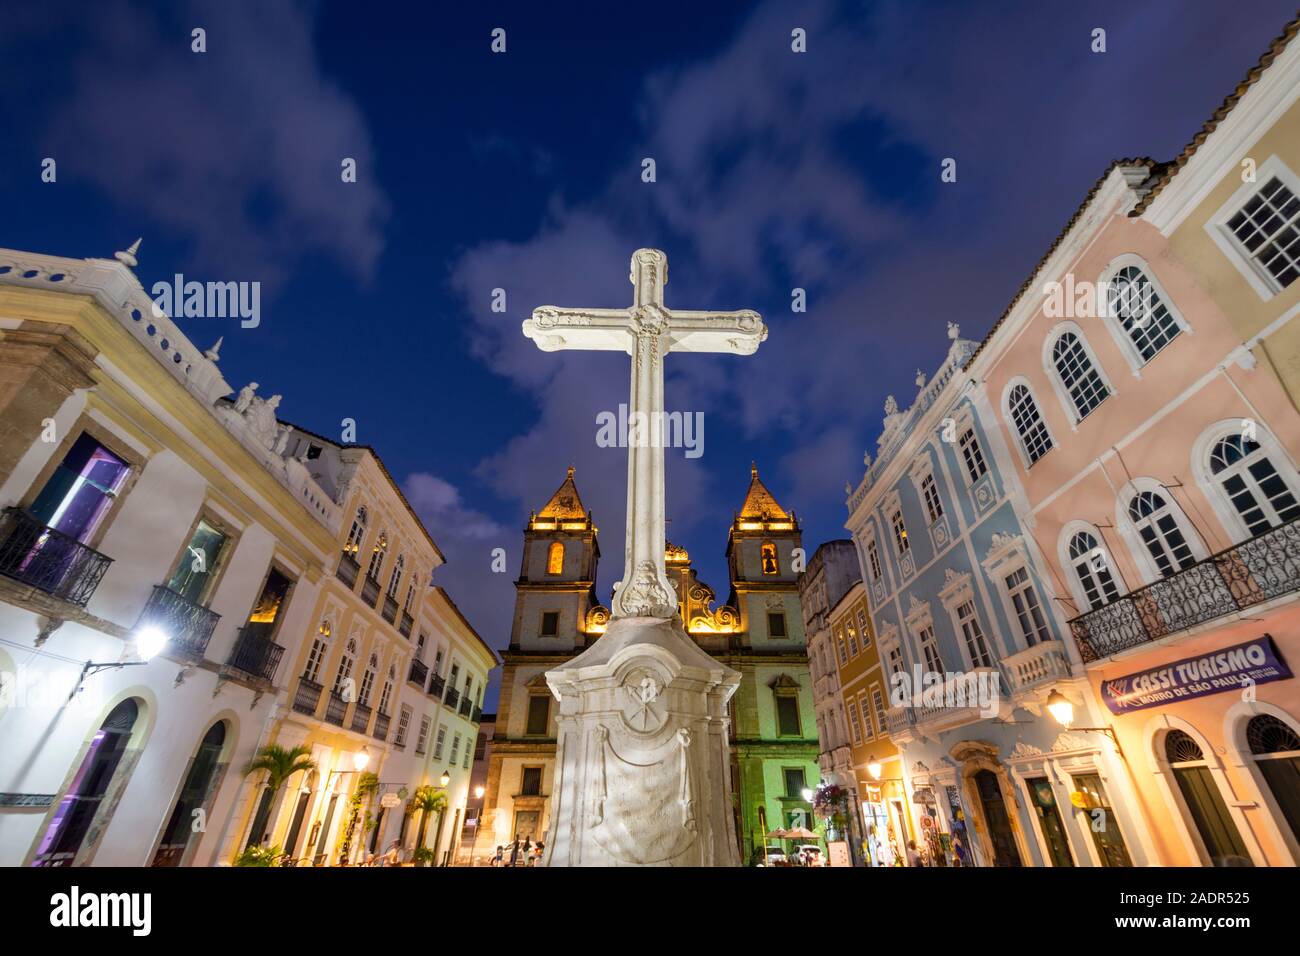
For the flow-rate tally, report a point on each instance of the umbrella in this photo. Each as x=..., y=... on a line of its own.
x=801, y=833
x=779, y=834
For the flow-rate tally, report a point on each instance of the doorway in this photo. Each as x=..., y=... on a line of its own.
x=1005, y=851
x=1050, y=824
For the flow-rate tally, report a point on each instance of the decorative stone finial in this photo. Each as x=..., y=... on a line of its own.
x=954, y=330
x=570, y=471
x=214, y=354
x=891, y=405
x=127, y=258
x=753, y=470
x=848, y=488
x=920, y=378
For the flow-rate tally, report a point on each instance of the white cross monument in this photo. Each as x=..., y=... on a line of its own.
x=642, y=768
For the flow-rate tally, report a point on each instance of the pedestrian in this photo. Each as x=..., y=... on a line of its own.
x=499, y=859
x=514, y=852
x=913, y=857
x=537, y=853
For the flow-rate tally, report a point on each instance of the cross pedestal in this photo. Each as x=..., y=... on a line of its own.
x=642, y=767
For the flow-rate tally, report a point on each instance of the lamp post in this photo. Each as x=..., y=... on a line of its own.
x=1060, y=707
x=149, y=641
x=478, y=821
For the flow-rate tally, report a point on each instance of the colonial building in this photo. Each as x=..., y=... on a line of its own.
x=180, y=589
x=759, y=632
x=831, y=573
x=1156, y=437
x=966, y=625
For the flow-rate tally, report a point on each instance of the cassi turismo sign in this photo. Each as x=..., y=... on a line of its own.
x=1232, y=668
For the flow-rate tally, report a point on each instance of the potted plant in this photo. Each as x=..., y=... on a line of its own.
x=258, y=856
x=429, y=800
x=423, y=856
x=280, y=763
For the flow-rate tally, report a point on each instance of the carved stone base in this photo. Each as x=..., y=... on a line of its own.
x=642, y=770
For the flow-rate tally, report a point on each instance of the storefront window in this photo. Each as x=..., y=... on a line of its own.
x=1090, y=797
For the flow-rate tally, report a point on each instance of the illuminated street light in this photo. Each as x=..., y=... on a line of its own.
x=874, y=768
x=149, y=641
x=361, y=759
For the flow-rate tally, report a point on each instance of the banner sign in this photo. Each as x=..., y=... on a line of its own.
x=1216, y=672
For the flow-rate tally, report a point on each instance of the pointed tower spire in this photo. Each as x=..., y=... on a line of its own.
x=127, y=257
x=565, y=504
x=759, y=502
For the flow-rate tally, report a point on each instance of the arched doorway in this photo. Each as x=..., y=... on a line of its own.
x=996, y=820
x=196, y=792
x=84, y=799
x=1275, y=748
x=1200, y=795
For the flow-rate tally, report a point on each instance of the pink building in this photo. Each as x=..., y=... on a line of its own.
x=1157, y=450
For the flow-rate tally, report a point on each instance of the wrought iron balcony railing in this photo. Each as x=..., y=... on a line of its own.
x=406, y=624
x=452, y=698
x=348, y=569
x=188, y=626
x=436, y=686
x=1237, y=578
x=382, y=721
x=419, y=672
x=477, y=716
x=307, y=696
x=255, y=655
x=48, y=560
x=335, y=708
x=466, y=706
x=390, y=609
x=370, y=590
x=360, y=718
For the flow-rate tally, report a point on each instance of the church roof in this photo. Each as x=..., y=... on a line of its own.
x=565, y=503
x=759, y=502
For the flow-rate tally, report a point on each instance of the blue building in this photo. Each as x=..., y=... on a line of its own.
x=968, y=632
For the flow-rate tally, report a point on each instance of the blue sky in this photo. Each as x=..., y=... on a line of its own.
x=522, y=171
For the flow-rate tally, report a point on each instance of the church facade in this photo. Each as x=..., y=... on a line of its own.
x=758, y=632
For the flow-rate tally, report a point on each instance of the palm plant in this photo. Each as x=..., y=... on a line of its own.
x=280, y=763
x=428, y=799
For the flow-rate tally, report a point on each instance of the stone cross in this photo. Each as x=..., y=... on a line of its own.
x=647, y=331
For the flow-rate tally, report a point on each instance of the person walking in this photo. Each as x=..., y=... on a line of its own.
x=499, y=858
x=913, y=857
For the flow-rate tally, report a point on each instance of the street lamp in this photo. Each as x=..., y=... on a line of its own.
x=1062, y=710
x=149, y=640
x=874, y=768
x=478, y=821
x=361, y=759
x=445, y=778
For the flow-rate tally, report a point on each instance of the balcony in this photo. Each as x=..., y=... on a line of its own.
x=188, y=626
x=335, y=709
x=370, y=590
x=477, y=716
x=1041, y=664
x=48, y=560
x=466, y=706
x=419, y=672
x=962, y=699
x=452, y=698
x=406, y=625
x=390, y=609
x=382, y=721
x=436, y=686
x=307, y=696
x=1235, y=579
x=255, y=657
x=347, y=570
x=360, y=718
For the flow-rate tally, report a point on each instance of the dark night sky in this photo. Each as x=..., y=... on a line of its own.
x=522, y=171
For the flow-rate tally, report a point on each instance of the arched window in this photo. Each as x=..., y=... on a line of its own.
x=767, y=555
x=1092, y=570
x=357, y=534
x=555, y=558
x=196, y=795
x=377, y=557
x=344, y=674
x=1259, y=495
x=1276, y=749
x=1028, y=423
x=316, y=656
x=84, y=801
x=1134, y=303
x=368, y=681
x=1083, y=383
x=395, y=579
x=1200, y=792
x=1155, y=521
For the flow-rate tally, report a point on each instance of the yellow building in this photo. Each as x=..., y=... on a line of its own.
x=882, y=807
x=1229, y=205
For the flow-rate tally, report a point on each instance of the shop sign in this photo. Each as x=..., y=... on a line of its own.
x=389, y=800
x=1216, y=672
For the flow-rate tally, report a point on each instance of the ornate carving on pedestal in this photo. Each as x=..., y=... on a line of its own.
x=642, y=714
x=645, y=596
